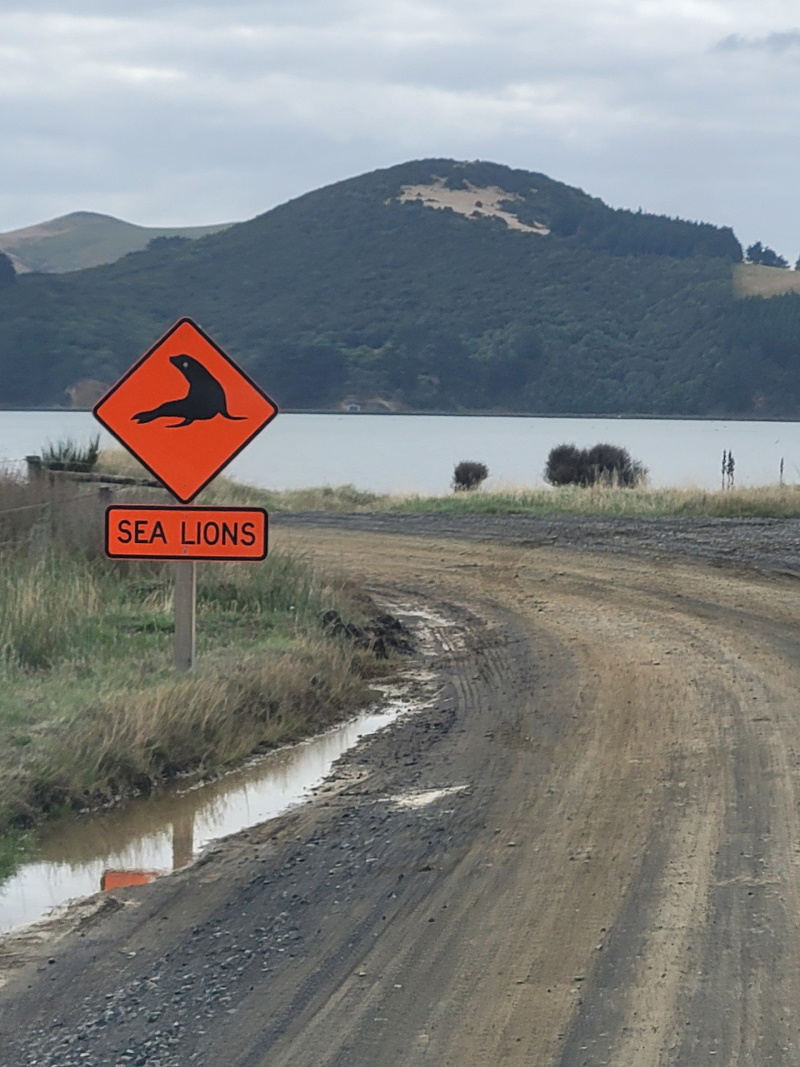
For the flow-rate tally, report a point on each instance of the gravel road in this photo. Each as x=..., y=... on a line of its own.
x=584, y=850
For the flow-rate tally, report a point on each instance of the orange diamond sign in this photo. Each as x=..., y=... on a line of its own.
x=185, y=410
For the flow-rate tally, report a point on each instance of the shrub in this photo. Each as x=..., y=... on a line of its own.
x=603, y=464
x=469, y=475
x=566, y=465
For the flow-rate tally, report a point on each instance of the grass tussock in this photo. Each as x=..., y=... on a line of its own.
x=69, y=455
x=120, y=461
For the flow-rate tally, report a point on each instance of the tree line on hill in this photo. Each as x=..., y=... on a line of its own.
x=767, y=257
x=347, y=292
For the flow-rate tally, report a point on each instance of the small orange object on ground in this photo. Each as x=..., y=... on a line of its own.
x=162, y=532
x=121, y=879
x=185, y=410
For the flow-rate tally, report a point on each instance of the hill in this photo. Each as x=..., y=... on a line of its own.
x=85, y=239
x=432, y=285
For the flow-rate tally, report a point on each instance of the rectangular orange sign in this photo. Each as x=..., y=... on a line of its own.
x=162, y=532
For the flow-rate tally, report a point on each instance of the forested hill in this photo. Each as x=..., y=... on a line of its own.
x=432, y=285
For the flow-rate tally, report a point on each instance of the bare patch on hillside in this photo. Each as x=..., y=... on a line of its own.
x=753, y=279
x=471, y=201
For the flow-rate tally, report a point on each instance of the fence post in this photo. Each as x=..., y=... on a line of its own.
x=35, y=467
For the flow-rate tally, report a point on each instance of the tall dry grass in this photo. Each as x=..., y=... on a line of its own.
x=131, y=739
x=45, y=605
x=764, y=502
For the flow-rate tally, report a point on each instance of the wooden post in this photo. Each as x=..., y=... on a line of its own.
x=35, y=468
x=185, y=610
x=185, y=599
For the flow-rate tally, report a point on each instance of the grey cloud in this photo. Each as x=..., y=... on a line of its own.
x=772, y=42
x=191, y=111
x=123, y=8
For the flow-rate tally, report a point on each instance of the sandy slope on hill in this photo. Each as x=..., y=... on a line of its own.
x=471, y=201
x=752, y=279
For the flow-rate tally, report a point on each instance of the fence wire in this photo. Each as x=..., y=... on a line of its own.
x=46, y=503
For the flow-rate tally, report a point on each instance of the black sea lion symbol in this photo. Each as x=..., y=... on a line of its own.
x=205, y=399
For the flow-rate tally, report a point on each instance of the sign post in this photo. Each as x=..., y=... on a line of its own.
x=185, y=410
x=185, y=613
x=184, y=608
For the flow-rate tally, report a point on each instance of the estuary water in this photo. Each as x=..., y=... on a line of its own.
x=417, y=453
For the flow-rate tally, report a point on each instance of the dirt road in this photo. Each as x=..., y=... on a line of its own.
x=584, y=852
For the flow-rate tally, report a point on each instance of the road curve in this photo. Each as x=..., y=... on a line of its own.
x=584, y=852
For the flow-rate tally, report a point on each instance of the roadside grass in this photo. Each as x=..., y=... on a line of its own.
x=91, y=709
x=765, y=502
x=780, y=502
x=341, y=498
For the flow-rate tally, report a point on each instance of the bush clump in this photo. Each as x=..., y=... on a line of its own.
x=71, y=455
x=602, y=464
x=469, y=475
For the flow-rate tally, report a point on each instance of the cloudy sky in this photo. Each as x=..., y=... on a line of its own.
x=168, y=112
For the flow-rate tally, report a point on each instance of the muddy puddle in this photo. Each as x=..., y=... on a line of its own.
x=79, y=855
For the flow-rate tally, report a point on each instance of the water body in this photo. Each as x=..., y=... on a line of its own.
x=78, y=855
x=417, y=453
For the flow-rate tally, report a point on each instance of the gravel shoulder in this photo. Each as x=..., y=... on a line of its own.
x=583, y=851
x=761, y=544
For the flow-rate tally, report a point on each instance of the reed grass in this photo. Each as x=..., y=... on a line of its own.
x=69, y=455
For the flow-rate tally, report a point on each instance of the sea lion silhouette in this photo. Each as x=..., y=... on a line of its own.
x=205, y=399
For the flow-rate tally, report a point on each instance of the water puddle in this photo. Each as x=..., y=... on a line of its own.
x=135, y=843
